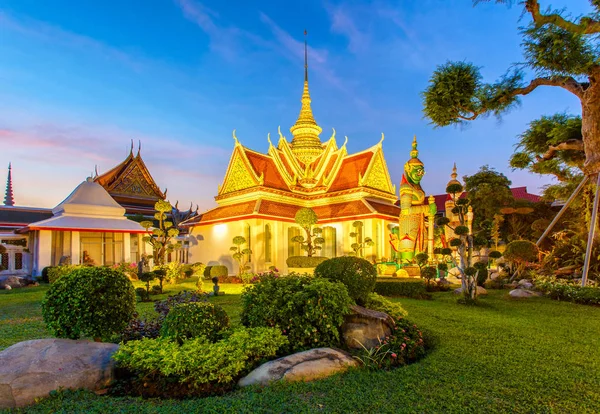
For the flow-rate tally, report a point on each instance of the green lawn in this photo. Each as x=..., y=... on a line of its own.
x=533, y=355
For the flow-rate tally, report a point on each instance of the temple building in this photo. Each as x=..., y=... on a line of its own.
x=261, y=193
x=88, y=227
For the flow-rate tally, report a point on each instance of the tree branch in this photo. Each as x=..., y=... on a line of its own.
x=586, y=26
x=566, y=82
x=571, y=144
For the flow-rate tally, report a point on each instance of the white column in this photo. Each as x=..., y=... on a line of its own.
x=127, y=247
x=44, y=251
x=75, y=248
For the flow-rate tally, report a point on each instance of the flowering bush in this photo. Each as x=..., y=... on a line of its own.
x=404, y=346
x=308, y=311
x=129, y=269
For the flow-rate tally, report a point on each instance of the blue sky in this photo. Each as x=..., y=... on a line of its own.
x=79, y=80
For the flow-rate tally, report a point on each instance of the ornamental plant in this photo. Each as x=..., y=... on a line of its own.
x=163, y=368
x=520, y=253
x=89, y=302
x=309, y=311
x=383, y=304
x=358, y=246
x=191, y=320
x=358, y=275
x=146, y=277
x=306, y=218
x=240, y=254
x=160, y=236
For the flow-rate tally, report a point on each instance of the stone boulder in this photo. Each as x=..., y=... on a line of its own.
x=302, y=366
x=523, y=293
x=525, y=284
x=365, y=326
x=31, y=369
x=494, y=275
x=480, y=291
x=12, y=281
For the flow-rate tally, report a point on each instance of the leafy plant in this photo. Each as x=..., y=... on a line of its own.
x=305, y=261
x=411, y=289
x=190, y=320
x=357, y=245
x=146, y=277
x=520, y=253
x=94, y=302
x=185, y=296
x=306, y=218
x=428, y=273
x=382, y=304
x=309, y=311
x=358, y=275
x=160, y=237
x=240, y=254
x=162, y=367
x=55, y=272
x=219, y=271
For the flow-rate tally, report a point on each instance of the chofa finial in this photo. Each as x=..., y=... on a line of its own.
x=235, y=138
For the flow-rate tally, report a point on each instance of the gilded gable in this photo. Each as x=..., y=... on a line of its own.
x=239, y=176
x=377, y=175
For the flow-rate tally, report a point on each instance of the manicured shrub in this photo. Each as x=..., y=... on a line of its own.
x=94, y=302
x=185, y=296
x=409, y=289
x=219, y=271
x=45, y=271
x=191, y=320
x=382, y=304
x=404, y=346
x=143, y=294
x=57, y=271
x=161, y=275
x=358, y=275
x=308, y=311
x=155, y=290
x=482, y=276
x=206, y=272
x=163, y=368
x=569, y=292
x=146, y=277
x=428, y=273
x=305, y=262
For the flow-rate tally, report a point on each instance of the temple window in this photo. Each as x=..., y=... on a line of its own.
x=329, y=247
x=268, y=243
x=18, y=261
x=294, y=249
x=101, y=249
x=4, y=261
x=61, y=247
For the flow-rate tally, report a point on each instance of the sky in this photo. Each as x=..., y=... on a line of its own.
x=80, y=80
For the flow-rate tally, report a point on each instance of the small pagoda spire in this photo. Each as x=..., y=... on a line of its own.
x=8, y=198
x=306, y=144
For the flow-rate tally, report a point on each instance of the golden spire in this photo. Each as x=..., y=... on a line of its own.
x=414, y=153
x=306, y=144
x=453, y=176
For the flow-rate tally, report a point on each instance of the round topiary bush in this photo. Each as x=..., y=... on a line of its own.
x=358, y=275
x=190, y=320
x=93, y=302
x=45, y=271
x=521, y=251
x=219, y=271
x=308, y=311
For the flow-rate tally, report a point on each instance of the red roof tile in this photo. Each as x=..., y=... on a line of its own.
x=223, y=212
x=263, y=164
x=519, y=193
x=347, y=176
x=387, y=209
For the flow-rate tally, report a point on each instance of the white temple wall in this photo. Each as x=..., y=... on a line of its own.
x=42, y=256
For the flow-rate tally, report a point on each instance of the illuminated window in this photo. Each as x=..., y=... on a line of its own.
x=329, y=247
x=268, y=238
x=101, y=249
x=294, y=248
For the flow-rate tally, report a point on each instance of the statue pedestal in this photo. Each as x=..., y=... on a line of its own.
x=413, y=271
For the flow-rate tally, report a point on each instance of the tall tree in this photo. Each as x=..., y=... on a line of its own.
x=489, y=191
x=562, y=52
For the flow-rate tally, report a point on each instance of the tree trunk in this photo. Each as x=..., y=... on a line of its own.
x=590, y=127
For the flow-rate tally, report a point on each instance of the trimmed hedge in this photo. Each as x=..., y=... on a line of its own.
x=358, y=275
x=570, y=293
x=305, y=261
x=410, y=289
x=219, y=271
x=190, y=320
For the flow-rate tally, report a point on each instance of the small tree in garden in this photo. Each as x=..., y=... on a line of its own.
x=160, y=237
x=357, y=246
x=147, y=277
x=240, y=254
x=307, y=218
x=161, y=275
x=520, y=253
x=421, y=259
x=464, y=241
x=428, y=273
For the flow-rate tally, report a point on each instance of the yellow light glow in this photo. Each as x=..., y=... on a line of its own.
x=219, y=231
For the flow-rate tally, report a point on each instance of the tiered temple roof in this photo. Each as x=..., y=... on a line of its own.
x=131, y=185
x=304, y=173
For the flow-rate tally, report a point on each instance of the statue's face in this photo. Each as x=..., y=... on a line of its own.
x=415, y=173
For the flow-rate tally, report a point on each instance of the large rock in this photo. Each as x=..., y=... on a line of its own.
x=303, y=366
x=12, y=281
x=480, y=291
x=31, y=369
x=523, y=293
x=366, y=327
x=525, y=284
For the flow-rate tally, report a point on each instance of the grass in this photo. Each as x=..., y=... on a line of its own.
x=512, y=356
